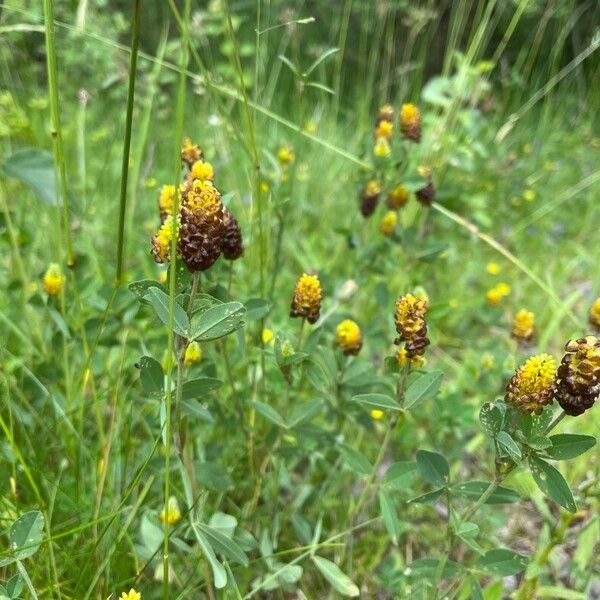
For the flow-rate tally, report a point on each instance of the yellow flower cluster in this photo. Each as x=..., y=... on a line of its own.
x=348, y=337
x=54, y=280
x=523, y=325
x=166, y=200
x=161, y=242
x=495, y=296
x=192, y=354
x=285, y=155
x=130, y=595
x=411, y=326
x=398, y=197
x=202, y=171
x=172, y=515
x=532, y=386
x=308, y=295
x=388, y=223
x=190, y=153
x=410, y=122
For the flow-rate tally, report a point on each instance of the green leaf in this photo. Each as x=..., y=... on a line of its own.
x=428, y=498
x=329, y=52
x=476, y=591
x=425, y=568
x=400, y=474
x=505, y=440
x=139, y=288
x=356, y=460
x=223, y=544
x=433, y=468
x=152, y=376
x=197, y=388
x=304, y=411
x=320, y=86
x=160, y=303
x=424, y=388
x=389, y=515
x=225, y=523
x=218, y=321
x=257, y=308
x=569, y=445
x=195, y=409
x=377, y=401
x=219, y=573
x=501, y=562
x=473, y=490
x=14, y=586
x=25, y=535
x=336, y=577
x=289, y=64
x=35, y=169
x=491, y=418
x=552, y=483
x=269, y=413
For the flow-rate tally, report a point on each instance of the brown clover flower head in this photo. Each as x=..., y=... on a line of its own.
x=578, y=384
x=426, y=195
x=532, y=386
x=190, y=153
x=232, y=246
x=308, y=295
x=348, y=337
x=369, y=198
x=410, y=122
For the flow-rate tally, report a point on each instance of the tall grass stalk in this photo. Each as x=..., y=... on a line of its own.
x=177, y=141
x=135, y=38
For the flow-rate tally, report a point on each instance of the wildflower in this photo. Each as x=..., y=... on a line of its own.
x=410, y=324
x=424, y=171
x=529, y=195
x=264, y=187
x=369, y=198
x=54, y=280
x=404, y=360
x=382, y=148
x=578, y=375
x=202, y=227
x=166, y=200
x=426, y=195
x=308, y=295
x=192, y=354
x=172, y=515
x=348, y=337
x=384, y=130
x=497, y=294
x=388, y=223
x=232, y=246
x=523, y=325
x=266, y=336
x=130, y=595
x=398, y=197
x=595, y=313
x=532, y=386
x=285, y=155
x=310, y=126
x=493, y=268
x=410, y=122
x=377, y=414
x=161, y=242
x=190, y=153
x=202, y=170
x=386, y=113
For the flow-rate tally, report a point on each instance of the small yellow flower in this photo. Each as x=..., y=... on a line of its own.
x=190, y=153
x=497, y=294
x=130, y=595
x=172, y=516
x=595, y=313
x=162, y=276
x=523, y=325
x=53, y=281
x=372, y=189
x=348, y=337
x=424, y=171
x=377, y=414
x=264, y=187
x=384, y=129
x=398, y=197
x=388, y=223
x=382, y=148
x=202, y=170
x=403, y=359
x=532, y=386
x=529, y=195
x=150, y=182
x=285, y=155
x=266, y=336
x=204, y=196
x=192, y=355
x=493, y=268
x=161, y=242
x=166, y=200
x=410, y=122
x=385, y=113
x=308, y=295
